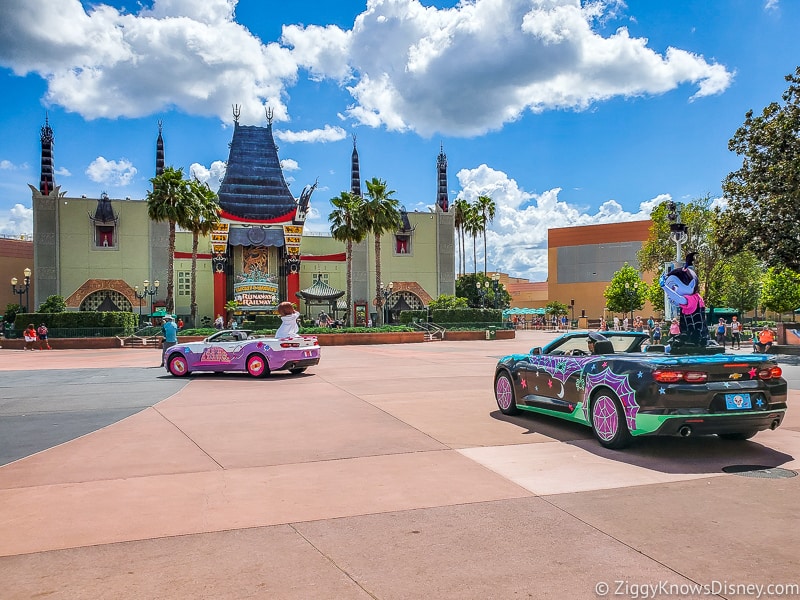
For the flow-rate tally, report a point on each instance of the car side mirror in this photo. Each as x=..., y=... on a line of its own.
x=536, y=350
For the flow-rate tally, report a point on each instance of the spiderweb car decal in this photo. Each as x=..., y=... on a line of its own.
x=621, y=387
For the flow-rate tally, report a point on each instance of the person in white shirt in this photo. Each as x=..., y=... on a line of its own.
x=289, y=321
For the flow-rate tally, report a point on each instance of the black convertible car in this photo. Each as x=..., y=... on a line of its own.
x=622, y=388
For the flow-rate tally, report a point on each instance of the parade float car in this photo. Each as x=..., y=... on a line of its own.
x=240, y=350
x=627, y=389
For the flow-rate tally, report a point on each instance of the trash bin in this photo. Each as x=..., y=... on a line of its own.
x=491, y=333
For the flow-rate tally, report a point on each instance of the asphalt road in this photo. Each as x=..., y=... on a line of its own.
x=41, y=409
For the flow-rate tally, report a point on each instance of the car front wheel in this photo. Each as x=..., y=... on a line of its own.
x=178, y=365
x=608, y=421
x=504, y=394
x=257, y=365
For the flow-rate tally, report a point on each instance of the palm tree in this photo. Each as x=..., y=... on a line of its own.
x=203, y=217
x=381, y=214
x=460, y=210
x=485, y=207
x=472, y=225
x=169, y=201
x=347, y=226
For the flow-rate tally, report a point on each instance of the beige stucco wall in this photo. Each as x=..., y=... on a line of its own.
x=81, y=260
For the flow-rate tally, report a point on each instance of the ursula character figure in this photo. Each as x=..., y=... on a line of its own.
x=680, y=286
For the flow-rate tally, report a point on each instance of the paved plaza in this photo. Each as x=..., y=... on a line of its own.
x=385, y=472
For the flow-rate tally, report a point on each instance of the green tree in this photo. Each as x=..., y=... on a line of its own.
x=53, y=304
x=742, y=275
x=201, y=218
x=655, y=295
x=472, y=225
x=447, y=302
x=763, y=212
x=12, y=310
x=626, y=292
x=380, y=214
x=347, y=226
x=781, y=290
x=556, y=308
x=485, y=208
x=170, y=201
x=701, y=226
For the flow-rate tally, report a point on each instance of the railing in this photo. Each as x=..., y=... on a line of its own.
x=432, y=330
x=74, y=332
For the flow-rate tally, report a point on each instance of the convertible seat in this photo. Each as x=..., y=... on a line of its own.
x=604, y=347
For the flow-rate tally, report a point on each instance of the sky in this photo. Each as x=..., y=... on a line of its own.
x=564, y=112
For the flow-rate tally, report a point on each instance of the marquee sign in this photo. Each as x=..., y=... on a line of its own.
x=292, y=236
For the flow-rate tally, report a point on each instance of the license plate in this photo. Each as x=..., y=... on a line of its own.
x=738, y=401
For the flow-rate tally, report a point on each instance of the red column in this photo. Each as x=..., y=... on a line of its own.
x=292, y=287
x=220, y=293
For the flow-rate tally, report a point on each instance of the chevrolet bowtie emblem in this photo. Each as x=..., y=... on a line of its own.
x=735, y=376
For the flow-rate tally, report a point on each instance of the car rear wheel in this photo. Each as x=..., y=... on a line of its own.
x=178, y=365
x=739, y=435
x=504, y=394
x=257, y=365
x=297, y=370
x=608, y=421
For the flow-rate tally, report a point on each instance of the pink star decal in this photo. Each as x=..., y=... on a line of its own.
x=752, y=373
x=550, y=383
x=523, y=383
x=605, y=364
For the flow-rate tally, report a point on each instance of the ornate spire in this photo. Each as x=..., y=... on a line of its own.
x=237, y=111
x=159, y=151
x=442, y=199
x=355, y=173
x=47, y=178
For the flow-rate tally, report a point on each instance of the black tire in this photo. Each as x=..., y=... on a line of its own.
x=297, y=370
x=608, y=421
x=737, y=436
x=504, y=393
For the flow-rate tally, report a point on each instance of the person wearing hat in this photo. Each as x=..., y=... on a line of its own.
x=170, y=331
x=593, y=338
x=721, y=332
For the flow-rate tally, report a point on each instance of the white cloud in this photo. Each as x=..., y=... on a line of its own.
x=459, y=71
x=212, y=175
x=289, y=164
x=63, y=172
x=771, y=5
x=17, y=221
x=7, y=165
x=517, y=238
x=327, y=134
x=111, y=172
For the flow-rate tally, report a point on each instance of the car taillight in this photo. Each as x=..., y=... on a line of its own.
x=290, y=344
x=676, y=376
x=770, y=372
x=667, y=376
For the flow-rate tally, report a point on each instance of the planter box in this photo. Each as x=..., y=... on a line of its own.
x=464, y=336
x=352, y=339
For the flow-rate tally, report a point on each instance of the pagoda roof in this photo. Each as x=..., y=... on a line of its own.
x=320, y=291
x=253, y=187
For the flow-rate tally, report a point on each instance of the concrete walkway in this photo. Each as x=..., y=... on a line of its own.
x=385, y=472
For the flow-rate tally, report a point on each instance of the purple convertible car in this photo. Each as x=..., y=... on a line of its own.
x=240, y=350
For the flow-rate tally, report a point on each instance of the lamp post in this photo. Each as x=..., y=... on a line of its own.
x=148, y=290
x=678, y=233
x=495, y=286
x=572, y=306
x=482, y=291
x=386, y=292
x=23, y=289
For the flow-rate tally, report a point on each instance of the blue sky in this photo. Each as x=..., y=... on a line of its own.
x=564, y=112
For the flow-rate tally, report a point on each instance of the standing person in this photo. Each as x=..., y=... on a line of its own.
x=625, y=324
x=736, y=333
x=655, y=333
x=616, y=323
x=289, y=321
x=41, y=333
x=721, y=332
x=219, y=322
x=170, y=331
x=675, y=327
x=180, y=323
x=30, y=337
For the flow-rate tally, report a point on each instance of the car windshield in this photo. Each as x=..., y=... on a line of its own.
x=621, y=343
